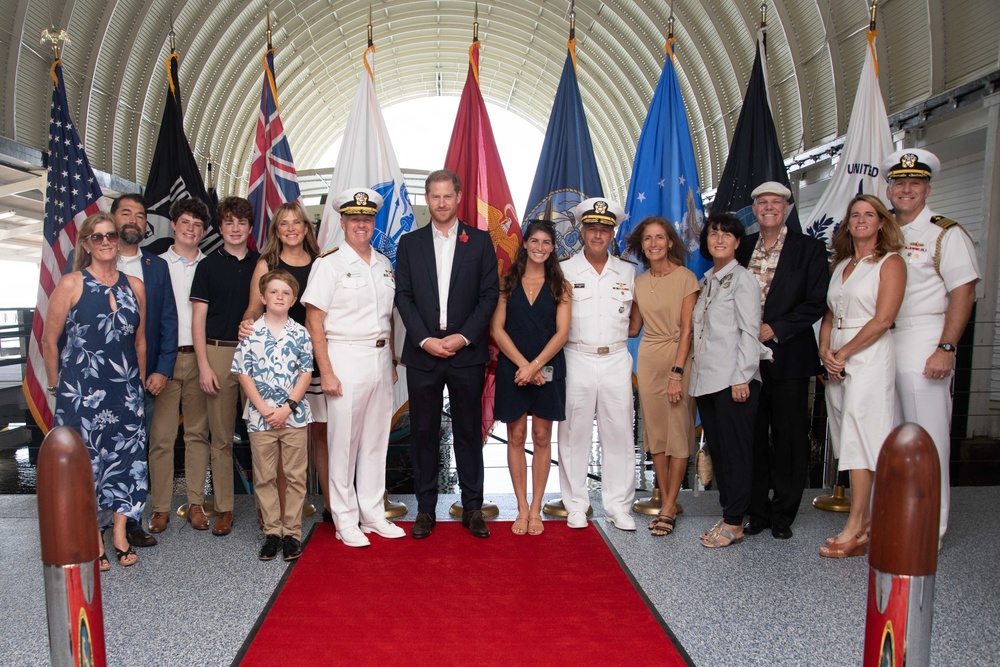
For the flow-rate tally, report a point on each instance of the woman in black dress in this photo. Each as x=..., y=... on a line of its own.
x=530, y=327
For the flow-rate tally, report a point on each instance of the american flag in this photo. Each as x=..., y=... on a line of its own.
x=272, y=173
x=72, y=193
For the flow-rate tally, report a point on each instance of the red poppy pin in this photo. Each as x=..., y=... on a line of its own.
x=463, y=237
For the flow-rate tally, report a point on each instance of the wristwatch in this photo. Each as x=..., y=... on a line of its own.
x=294, y=405
x=947, y=347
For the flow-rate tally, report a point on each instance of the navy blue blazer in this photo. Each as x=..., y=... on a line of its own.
x=796, y=300
x=472, y=296
x=161, y=315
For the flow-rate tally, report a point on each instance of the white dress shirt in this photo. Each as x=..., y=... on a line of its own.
x=181, y=277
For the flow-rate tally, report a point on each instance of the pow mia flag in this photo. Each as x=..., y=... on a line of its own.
x=173, y=174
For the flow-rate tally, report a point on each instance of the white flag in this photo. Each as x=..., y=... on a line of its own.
x=867, y=142
x=367, y=160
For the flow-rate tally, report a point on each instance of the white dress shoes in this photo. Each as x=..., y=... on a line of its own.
x=622, y=521
x=576, y=520
x=383, y=528
x=353, y=537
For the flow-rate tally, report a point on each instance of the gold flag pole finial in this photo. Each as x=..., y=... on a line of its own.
x=763, y=15
x=371, y=40
x=475, y=23
x=55, y=40
x=872, y=10
x=267, y=14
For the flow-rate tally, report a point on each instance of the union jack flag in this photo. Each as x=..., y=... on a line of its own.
x=272, y=173
x=72, y=194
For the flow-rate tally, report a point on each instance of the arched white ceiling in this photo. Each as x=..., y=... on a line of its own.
x=116, y=79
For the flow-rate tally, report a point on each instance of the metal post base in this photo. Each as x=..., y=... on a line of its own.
x=652, y=505
x=393, y=510
x=838, y=502
x=208, y=507
x=556, y=508
x=490, y=510
x=308, y=509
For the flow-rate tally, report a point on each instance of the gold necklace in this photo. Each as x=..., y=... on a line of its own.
x=857, y=260
x=654, y=280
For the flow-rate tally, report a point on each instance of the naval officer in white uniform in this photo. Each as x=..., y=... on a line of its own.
x=941, y=275
x=598, y=371
x=349, y=316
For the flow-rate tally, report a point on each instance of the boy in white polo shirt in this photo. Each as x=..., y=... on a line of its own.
x=274, y=365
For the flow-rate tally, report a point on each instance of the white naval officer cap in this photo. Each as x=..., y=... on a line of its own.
x=358, y=201
x=600, y=210
x=911, y=163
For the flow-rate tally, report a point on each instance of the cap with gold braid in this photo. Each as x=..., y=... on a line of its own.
x=599, y=210
x=358, y=201
x=911, y=163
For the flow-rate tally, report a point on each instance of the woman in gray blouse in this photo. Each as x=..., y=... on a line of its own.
x=725, y=379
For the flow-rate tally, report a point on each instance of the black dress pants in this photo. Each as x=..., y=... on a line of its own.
x=728, y=429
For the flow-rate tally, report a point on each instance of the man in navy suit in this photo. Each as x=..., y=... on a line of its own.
x=129, y=212
x=446, y=290
x=793, y=274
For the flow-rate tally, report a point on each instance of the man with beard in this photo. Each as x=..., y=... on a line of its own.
x=129, y=212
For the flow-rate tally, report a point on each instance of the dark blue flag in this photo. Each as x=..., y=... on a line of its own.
x=567, y=169
x=665, y=174
x=754, y=155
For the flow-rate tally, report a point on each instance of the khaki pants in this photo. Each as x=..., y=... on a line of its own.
x=180, y=392
x=221, y=410
x=266, y=446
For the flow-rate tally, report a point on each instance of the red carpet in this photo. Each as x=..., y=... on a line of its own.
x=451, y=599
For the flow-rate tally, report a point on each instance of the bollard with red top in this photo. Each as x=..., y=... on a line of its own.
x=902, y=558
x=67, y=524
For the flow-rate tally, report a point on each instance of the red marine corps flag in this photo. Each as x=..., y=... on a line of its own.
x=72, y=193
x=486, y=201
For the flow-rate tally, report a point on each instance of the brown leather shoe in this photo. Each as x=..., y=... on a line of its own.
x=474, y=522
x=196, y=515
x=158, y=522
x=223, y=524
x=140, y=538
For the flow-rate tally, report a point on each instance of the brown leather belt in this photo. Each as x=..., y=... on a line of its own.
x=222, y=343
x=186, y=349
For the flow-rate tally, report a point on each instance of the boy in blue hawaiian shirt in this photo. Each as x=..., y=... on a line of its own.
x=274, y=365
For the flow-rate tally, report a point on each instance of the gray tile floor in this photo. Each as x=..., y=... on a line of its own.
x=193, y=599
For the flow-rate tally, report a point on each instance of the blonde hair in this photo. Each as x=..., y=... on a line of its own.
x=82, y=258
x=273, y=246
x=890, y=236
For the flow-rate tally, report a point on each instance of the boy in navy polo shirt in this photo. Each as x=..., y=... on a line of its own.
x=274, y=366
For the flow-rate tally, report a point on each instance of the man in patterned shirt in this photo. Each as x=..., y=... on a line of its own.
x=793, y=275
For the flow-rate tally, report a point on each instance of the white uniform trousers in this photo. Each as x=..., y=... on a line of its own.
x=598, y=384
x=357, y=432
x=924, y=401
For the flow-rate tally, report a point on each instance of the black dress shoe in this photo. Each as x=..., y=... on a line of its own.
x=754, y=526
x=270, y=548
x=327, y=517
x=423, y=526
x=291, y=548
x=780, y=532
x=140, y=538
x=474, y=522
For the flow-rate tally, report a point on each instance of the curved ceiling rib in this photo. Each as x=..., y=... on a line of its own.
x=120, y=46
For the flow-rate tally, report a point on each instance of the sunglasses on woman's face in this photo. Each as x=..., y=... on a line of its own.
x=98, y=239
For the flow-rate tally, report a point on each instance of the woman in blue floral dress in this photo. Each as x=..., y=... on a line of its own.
x=94, y=350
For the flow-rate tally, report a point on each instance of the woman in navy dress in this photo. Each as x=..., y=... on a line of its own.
x=530, y=326
x=97, y=313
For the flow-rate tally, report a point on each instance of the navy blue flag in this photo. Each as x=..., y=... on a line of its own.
x=665, y=174
x=754, y=155
x=567, y=169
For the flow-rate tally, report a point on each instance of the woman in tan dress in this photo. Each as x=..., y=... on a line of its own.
x=663, y=305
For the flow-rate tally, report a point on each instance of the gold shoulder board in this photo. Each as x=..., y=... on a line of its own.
x=329, y=252
x=943, y=222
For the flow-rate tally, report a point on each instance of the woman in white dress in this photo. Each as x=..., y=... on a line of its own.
x=866, y=290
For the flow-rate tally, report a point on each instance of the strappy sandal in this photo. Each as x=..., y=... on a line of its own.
x=103, y=562
x=520, y=526
x=535, y=525
x=662, y=525
x=713, y=531
x=678, y=510
x=714, y=540
x=855, y=546
x=122, y=555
